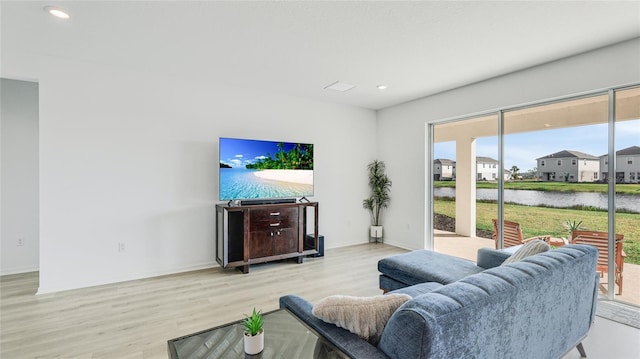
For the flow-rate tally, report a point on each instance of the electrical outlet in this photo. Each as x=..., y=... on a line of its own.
x=120, y=247
x=20, y=242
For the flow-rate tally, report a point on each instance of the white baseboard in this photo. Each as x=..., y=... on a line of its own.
x=55, y=289
x=391, y=243
x=399, y=245
x=18, y=270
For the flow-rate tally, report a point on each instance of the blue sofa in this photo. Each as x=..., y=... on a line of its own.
x=539, y=307
x=422, y=266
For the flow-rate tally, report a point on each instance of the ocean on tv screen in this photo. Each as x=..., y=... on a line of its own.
x=243, y=183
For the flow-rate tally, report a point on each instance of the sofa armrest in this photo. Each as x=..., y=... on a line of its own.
x=490, y=258
x=343, y=339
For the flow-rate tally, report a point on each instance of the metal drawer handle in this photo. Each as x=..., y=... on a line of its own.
x=275, y=213
x=275, y=224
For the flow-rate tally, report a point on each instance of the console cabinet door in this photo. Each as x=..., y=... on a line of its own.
x=285, y=241
x=273, y=231
x=260, y=244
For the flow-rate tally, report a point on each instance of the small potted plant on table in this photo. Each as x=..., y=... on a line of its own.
x=571, y=226
x=253, y=333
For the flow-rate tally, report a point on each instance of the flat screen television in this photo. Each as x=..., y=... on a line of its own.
x=258, y=169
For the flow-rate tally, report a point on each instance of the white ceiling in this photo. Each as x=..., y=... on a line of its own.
x=298, y=48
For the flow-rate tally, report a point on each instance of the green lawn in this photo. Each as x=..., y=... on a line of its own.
x=548, y=221
x=551, y=186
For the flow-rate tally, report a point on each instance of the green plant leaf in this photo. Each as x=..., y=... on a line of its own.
x=253, y=323
x=380, y=186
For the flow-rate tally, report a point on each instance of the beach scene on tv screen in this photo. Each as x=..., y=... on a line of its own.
x=265, y=169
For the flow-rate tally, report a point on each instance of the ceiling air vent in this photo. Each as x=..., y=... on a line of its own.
x=339, y=86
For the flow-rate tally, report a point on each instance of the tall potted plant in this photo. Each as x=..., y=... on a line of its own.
x=380, y=186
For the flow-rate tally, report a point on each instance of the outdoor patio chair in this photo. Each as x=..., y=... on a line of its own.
x=512, y=234
x=600, y=240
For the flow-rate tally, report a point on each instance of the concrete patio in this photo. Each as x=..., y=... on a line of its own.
x=466, y=247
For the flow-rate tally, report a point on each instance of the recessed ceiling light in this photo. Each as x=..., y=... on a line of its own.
x=547, y=125
x=382, y=87
x=57, y=12
x=339, y=86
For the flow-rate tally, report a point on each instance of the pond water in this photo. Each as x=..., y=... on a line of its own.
x=555, y=199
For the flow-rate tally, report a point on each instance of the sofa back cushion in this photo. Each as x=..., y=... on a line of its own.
x=536, y=308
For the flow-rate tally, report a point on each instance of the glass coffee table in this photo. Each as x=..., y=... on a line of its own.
x=285, y=337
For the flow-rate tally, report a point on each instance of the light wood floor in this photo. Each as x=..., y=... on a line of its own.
x=135, y=319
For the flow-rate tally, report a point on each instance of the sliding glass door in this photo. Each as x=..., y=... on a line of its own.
x=555, y=168
x=465, y=170
x=553, y=151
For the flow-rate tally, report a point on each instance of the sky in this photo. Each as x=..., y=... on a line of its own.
x=239, y=152
x=523, y=149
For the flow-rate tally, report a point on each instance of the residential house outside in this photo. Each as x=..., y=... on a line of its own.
x=506, y=175
x=627, y=165
x=443, y=169
x=604, y=164
x=569, y=166
x=486, y=169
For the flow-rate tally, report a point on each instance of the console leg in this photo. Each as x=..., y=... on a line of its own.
x=244, y=269
x=300, y=260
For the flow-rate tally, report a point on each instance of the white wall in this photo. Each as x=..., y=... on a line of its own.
x=402, y=133
x=19, y=183
x=130, y=157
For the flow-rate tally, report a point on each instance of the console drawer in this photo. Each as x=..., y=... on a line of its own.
x=267, y=219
